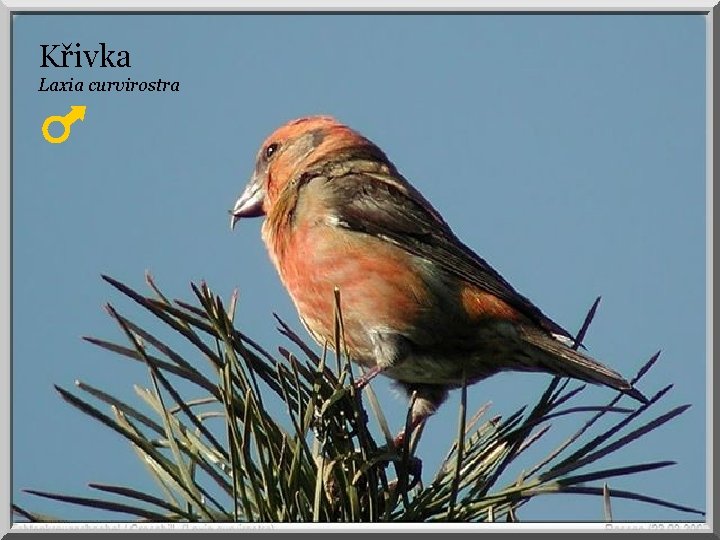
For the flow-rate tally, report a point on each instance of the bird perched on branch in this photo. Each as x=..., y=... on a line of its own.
x=418, y=305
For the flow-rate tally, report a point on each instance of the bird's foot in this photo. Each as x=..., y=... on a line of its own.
x=399, y=440
x=414, y=471
x=411, y=472
x=368, y=376
x=415, y=422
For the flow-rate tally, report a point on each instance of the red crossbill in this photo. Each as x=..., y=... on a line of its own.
x=418, y=305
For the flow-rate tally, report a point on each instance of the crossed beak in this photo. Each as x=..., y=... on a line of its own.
x=249, y=204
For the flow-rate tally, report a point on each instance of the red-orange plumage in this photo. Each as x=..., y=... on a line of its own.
x=418, y=304
x=481, y=305
x=339, y=261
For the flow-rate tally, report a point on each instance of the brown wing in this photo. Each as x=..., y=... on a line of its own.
x=371, y=198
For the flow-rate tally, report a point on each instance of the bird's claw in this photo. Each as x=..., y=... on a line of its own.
x=413, y=474
x=368, y=376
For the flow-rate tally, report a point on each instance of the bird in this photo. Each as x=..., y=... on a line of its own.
x=418, y=305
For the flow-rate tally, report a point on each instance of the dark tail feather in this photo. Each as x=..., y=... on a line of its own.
x=559, y=359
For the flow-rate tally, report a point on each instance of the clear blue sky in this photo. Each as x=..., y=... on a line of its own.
x=569, y=151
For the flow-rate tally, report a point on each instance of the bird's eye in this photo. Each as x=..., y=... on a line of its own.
x=270, y=150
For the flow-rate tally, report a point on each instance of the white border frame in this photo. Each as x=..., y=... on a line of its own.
x=9, y=6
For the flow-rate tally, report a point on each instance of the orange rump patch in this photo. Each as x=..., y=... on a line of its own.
x=479, y=304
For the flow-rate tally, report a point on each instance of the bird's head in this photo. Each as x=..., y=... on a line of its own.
x=289, y=152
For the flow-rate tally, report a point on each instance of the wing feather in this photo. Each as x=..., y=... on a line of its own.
x=372, y=198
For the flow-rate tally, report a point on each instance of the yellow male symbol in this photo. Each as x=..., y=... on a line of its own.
x=77, y=112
